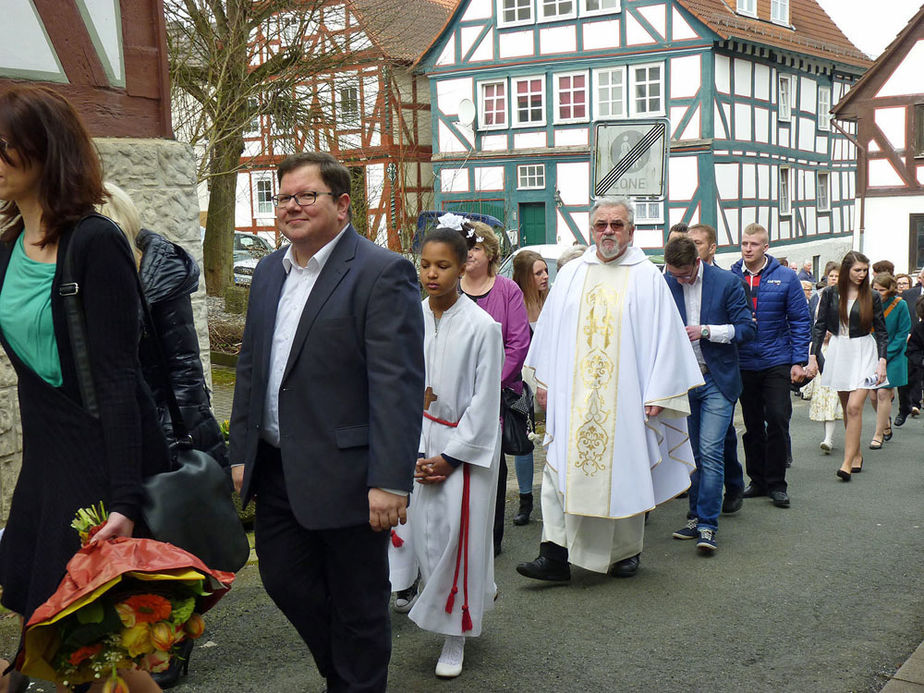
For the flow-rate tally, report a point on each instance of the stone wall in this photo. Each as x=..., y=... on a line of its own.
x=160, y=176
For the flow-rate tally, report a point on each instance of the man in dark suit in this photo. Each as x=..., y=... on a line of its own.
x=909, y=396
x=714, y=308
x=326, y=421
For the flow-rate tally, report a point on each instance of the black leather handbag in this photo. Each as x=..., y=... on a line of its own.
x=517, y=412
x=189, y=506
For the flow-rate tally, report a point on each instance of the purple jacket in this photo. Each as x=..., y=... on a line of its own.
x=504, y=303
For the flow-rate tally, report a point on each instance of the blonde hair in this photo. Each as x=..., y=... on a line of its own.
x=756, y=229
x=120, y=208
x=489, y=242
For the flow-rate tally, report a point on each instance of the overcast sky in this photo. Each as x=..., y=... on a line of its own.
x=871, y=26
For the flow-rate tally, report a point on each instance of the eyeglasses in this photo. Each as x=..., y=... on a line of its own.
x=600, y=226
x=687, y=276
x=305, y=198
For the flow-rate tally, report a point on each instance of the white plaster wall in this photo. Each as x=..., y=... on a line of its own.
x=478, y=9
x=883, y=175
x=685, y=76
x=683, y=178
x=636, y=34
x=742, y=77
x=887, y=228
x=722, y=73
x=454, y=180
x=485, y=49
x=448, y=56
x=448, y=142
x=242, y=214
x=656, y=16
x=762, y=78
x=449, y=92
x=516, y=44
x=907, y=76
x=726, y=179
x=489, y=178
x=572, y=137
x=742, y=122
x=602, y=34
x=529, y=140
x=558, y=39
x=682, y=30
x=892, y=122
x=573, y=180
x=493, y=143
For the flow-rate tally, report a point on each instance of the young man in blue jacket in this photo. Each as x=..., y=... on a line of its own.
x=770, y=363
x=715, y=311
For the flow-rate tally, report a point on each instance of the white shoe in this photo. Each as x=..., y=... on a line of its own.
x=826, y=446
x=450, y=664
x=915, y=412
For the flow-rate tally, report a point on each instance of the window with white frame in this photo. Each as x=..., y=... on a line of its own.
x=748, y=7
x=253, y=127
x=589, y=7
x=784, y=99
x=779, y=11
x=492, y=106
x=647, y=89
x=610, y=93
x=528, y=100
x=349, y=105
x=514, y=12
x=648, y=212
x=822, y=192
x=824, y=106
x=570, y=97
x=531, y=177
x=264, y=196
x=557, y=9
x=784, y=198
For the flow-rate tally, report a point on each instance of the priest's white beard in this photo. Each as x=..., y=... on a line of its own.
x=611, y=251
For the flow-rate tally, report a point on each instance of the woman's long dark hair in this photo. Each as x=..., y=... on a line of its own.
x=523, y=263
x=864, y=294
x=46, y=131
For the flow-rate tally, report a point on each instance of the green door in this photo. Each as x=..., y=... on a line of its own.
x=532, y=223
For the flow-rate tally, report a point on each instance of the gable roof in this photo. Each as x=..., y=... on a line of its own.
x=404, y=29
x=874, y=76
x=813, y=32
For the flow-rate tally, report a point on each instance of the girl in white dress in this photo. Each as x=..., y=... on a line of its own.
x=453, y=505
x=856, y=358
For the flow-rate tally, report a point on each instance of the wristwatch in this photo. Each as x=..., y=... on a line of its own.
x=704, y=333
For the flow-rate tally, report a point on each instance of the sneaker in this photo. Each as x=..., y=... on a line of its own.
x=688, y=531
x=900, y=419
x=826, y=445
x=404, y=599
x=706, y=541
x=450, y=664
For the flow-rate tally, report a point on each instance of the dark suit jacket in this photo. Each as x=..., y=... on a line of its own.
x=911, y=297
x=723, y=303
x=351, y=397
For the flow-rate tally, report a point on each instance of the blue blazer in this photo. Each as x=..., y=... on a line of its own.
x=723, y=303
x=351, y=396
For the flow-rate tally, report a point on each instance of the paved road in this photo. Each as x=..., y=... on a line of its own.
x=824, y=596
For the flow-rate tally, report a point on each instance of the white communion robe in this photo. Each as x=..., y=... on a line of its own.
x=464, y=354
x=609, y=342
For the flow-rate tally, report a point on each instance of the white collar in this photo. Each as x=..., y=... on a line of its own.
x=320, y=257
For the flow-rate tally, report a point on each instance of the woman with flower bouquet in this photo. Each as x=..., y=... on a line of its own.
x=50, y=180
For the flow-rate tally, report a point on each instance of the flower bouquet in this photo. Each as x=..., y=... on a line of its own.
x=125, y=603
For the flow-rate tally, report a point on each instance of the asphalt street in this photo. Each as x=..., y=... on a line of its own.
x=823, y=596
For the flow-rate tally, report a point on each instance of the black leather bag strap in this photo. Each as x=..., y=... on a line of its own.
x=69, y=290
x=77, y=329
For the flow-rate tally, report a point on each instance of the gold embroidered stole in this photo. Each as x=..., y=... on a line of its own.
x=591, y=441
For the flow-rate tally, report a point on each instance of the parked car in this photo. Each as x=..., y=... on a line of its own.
x=243, y=271
x=250, y=245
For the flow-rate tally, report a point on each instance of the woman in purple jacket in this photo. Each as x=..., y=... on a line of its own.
x=503, y=301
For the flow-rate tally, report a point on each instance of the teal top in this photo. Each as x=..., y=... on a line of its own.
x=25, y=313
x=898, y=325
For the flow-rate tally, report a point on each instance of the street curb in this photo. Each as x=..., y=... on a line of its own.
x=910, y=678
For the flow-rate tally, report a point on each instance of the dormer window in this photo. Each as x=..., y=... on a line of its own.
x=747, y=7
x=779, y=12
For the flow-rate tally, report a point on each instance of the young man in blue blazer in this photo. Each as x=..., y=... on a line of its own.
x=714, y=308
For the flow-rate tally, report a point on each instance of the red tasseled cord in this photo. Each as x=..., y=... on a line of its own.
x=463, y=544
x=396, y=541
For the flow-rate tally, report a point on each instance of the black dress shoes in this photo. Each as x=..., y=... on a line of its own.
x=780, y=499
x=753, y=491
x=733, y=502
x=900, y=419
x=545, y=568
x=625, y=568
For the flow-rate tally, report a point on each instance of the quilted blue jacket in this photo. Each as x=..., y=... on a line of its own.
x=783, y=322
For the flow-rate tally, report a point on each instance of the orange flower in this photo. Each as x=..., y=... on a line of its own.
x=137, y=640
x=156, y=662
x=162, y=636
x=115, y=684
x=85, y=652
x=195, y=626
x=148, y=608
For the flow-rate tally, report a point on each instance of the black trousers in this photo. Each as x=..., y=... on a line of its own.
x=910, y=395
x=766, y=408
x=500, y=502
x=332, y=585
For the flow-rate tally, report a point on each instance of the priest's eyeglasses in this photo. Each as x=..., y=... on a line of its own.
x=600, y=226
x=306, y=198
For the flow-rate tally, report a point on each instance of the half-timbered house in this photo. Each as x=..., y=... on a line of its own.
x=374, y=118
x=745, y=86
x=887, y=106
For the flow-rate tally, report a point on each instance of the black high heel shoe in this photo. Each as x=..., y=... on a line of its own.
x=887, y=434
x=858, y=468
x=179, y=666
x=844, y=476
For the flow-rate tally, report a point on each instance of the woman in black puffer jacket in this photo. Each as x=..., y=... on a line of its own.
x=169, y=276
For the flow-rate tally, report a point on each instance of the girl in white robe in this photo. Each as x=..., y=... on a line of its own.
x=451, y=530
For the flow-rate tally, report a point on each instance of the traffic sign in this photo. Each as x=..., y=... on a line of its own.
x=630, y=158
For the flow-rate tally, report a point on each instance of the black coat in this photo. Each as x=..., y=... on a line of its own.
x=71, y=460
x=911, y=297
x=915, y=350
x=169, y=276
x=828, y=320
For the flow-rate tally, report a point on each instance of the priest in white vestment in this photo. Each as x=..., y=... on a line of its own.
x=613, y=364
